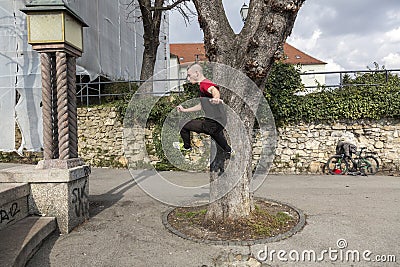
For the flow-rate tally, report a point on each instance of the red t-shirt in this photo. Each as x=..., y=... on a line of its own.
x=213, y=112
x=204, y=85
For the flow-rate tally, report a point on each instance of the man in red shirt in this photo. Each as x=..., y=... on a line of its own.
x=210, y=102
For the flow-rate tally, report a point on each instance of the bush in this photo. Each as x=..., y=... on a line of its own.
x=283, y=83
x=119, y=90
x=366, y=96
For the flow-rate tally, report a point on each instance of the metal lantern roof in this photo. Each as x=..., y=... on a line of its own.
x=51, y=5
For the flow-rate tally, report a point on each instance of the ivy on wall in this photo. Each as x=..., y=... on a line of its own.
x=365, y=96
x=374, y=95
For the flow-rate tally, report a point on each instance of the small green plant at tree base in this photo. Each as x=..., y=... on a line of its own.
x=264, y=223
x=261, y=229
x=283, y=217
x=191, y=214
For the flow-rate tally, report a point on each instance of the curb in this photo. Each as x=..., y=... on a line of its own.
x=298, y=227
x=21, y=240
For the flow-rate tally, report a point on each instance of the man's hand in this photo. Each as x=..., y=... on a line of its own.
x=216, y=101
x=180, y=108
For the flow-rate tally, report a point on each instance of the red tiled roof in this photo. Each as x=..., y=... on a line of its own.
x=190, y=52
x=295, y=56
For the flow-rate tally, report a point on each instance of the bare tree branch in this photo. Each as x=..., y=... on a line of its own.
x=151, y=15
x=186, y=12
x=168, y=7
x=180, y=5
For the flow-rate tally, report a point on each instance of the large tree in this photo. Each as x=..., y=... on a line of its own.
x=252, y=51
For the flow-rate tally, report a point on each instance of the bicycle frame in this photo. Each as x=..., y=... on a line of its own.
x=360, y=163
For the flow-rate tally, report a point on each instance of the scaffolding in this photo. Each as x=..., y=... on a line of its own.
x=113, y=48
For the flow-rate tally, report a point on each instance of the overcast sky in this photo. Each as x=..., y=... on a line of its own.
x=346, y=34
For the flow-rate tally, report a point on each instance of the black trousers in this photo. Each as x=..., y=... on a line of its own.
x=207, y=126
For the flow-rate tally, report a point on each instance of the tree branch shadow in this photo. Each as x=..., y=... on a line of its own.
x=99, y=203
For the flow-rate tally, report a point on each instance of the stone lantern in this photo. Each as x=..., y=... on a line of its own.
x=56, y=32
x=60, y=183
x=53, y=26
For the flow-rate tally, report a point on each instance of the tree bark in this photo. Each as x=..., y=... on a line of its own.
x=252, y=52
x=151, y=36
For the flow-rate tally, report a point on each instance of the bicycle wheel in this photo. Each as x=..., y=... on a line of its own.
x=369, y=165
x=337, y=165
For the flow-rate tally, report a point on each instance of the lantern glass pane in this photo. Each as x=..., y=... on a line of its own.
x=45, y=28
x=73, y=32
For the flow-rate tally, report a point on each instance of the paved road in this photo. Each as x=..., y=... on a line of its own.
x=125, y=227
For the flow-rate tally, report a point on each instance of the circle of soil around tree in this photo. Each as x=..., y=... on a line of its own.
x=269, y=221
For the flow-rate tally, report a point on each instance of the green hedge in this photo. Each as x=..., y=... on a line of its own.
x=366, y=96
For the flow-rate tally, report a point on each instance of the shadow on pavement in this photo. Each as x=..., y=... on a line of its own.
x=99, y=203
x=42, y=257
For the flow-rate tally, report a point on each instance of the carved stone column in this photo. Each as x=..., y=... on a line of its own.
x=72, y=108
x=47, y=106
x=60, y=121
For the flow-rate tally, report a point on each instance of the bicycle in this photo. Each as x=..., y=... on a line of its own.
x=361, y=165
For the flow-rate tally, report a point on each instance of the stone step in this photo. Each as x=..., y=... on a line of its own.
x=21, y=240
x=13, y=203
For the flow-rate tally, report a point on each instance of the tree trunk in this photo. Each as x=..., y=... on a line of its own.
x=151, y=11
x=252, y=52
x=230, y=196
x=149, y=58
x=151, y=26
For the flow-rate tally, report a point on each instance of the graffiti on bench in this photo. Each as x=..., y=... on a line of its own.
x=80, y=200
x=9, y=214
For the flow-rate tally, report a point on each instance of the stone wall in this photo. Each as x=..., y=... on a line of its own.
x=25, y=157
x=302, y=148
x=100, y=135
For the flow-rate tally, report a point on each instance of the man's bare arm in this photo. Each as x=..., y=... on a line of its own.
x=216, y=96
x=191, y=109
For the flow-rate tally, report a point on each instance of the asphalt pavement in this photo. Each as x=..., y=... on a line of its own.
x=346, y=217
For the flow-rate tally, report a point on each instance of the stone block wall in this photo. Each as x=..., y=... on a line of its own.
x=100, y=135
x=302, y=148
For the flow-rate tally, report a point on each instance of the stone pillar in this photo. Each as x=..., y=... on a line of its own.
x=60, y=127
x=64, y=192
x=72, y=107
x=65, y=195
x=48, y=111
